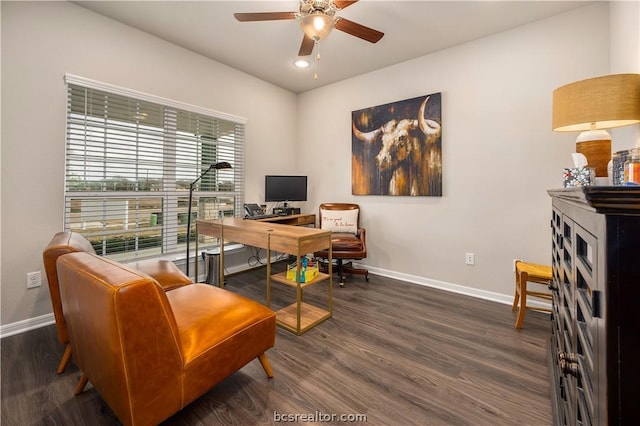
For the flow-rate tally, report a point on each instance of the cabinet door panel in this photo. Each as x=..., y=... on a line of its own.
x=586, y=288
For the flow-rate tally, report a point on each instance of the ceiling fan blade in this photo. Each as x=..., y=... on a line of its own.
x=355, y=29
x=306, y=47
x=265, y=16
x=341, y=4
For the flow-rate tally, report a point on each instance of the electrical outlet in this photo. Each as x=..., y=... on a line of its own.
x=470, y=259
x=34, y=279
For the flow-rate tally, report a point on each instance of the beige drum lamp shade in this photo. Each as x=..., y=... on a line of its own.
x=593, y=105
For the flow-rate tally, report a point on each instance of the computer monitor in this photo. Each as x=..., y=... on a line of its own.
x=285, y=188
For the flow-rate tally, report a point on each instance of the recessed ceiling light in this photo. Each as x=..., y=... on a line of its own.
x=301, y=63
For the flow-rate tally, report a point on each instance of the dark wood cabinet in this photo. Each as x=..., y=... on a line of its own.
x=594, y=349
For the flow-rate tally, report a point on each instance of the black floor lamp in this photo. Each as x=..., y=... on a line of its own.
x=217, y=166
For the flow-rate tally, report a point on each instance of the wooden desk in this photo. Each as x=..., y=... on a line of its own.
x=292, y=219
x=294, y=240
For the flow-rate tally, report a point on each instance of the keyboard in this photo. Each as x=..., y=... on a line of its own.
x=261, y=216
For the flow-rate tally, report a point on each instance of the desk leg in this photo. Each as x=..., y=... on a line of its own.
x=221, y=261
x=298, y=295
x=268, y=272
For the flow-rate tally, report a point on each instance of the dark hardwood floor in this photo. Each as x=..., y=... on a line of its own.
x=398, y=353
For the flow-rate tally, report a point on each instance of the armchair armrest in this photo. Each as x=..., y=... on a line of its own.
x=168, y=275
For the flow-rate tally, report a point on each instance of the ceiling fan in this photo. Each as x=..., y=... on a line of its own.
x=317, y=18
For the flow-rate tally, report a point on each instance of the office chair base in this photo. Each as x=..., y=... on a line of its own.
x=345, y=268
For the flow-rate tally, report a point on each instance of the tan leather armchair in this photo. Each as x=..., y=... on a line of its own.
x=166, y=273
x=147, y=352
x=348, y=239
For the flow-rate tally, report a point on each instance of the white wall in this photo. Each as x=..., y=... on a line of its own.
x=624, y=21
x=499, y=153
x=41, y=41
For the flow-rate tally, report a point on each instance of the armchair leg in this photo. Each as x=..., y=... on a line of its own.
x=81, y=384
x=266, y=365
x=65, y=359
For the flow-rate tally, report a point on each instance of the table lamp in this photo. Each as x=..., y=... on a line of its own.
x=217, y=166
x=593, y=105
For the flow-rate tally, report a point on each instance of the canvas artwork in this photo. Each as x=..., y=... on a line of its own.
x=396, y=148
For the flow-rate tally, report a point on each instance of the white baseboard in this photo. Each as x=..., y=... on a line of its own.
x=454, y=288
x=44, y=320
x=26, y=325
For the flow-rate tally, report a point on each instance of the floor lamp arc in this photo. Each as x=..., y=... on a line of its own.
x=217, y=166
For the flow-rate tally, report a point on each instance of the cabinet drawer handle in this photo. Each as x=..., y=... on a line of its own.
x=563, y=356
x=568, y=364
x=569, y=368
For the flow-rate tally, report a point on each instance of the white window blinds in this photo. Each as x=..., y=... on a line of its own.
x=130, y=158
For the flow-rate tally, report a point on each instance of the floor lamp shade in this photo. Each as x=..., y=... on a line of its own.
x=593, y=105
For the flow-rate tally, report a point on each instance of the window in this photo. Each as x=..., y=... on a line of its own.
x=130, y=158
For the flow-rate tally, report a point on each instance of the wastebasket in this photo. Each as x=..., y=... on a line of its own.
x=211, y=260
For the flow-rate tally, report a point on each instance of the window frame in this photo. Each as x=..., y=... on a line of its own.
x=171, y=195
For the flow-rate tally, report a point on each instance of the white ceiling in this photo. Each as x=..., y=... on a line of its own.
x=267, y=49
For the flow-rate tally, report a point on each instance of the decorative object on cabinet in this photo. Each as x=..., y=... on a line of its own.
x=397, y=148
x=583, y=176
x=529, y=273
x=590, y=106
x=348, y=239
x=595, y=342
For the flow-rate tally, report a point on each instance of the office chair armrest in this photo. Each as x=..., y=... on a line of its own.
x=362, y=235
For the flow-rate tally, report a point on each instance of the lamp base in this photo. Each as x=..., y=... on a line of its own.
x=598, y=154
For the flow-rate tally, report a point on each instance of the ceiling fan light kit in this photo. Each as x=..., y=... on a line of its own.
x=317, y=19
x=317, y=25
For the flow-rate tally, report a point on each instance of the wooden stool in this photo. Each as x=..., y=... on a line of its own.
x=533, y=273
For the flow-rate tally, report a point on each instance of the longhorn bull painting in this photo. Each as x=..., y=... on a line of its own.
x=397, y=148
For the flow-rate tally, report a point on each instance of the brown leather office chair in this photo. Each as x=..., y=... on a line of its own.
x=166, y=273
x=348, y=238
